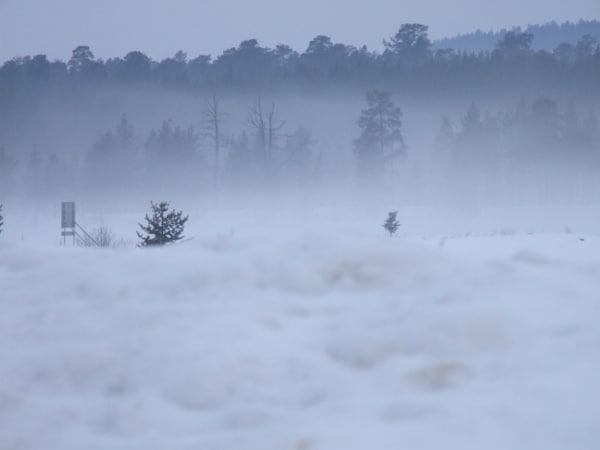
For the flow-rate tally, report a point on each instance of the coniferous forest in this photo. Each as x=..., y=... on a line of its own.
x=426, y=123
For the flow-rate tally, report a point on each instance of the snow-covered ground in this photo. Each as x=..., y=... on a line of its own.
x=278, y=333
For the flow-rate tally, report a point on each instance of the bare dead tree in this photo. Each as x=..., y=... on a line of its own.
x=274, y=128
x=212, y=121
x=267, y=127
x=256, y=120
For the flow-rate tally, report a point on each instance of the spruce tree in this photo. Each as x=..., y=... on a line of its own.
x=391, y=224
x=163, y=227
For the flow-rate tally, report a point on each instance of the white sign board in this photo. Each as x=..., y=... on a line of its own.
x=68, y=215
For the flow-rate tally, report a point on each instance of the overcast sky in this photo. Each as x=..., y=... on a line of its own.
x=159, y=28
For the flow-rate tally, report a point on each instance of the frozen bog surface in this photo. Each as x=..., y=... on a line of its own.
x=303, y=338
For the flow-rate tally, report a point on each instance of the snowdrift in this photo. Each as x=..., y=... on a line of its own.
x=303, y=341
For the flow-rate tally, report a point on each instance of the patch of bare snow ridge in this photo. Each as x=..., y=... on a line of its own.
x=298, y=342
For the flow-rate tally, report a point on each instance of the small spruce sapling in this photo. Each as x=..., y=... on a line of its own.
x=163, y=227
x=391, y=224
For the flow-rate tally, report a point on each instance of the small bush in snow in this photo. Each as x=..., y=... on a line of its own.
x=391, y=224
x=103, y=237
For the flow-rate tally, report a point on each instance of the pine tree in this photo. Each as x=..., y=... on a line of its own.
x=380, y=141
x=391, y=224
x=163, y=227
x=411, y=44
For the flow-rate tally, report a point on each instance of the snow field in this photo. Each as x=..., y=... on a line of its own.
x=303, y=340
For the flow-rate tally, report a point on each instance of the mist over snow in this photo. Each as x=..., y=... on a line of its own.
x=305, y=330
x=281, y=314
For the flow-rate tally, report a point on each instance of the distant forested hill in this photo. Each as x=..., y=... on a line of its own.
x=546, y=37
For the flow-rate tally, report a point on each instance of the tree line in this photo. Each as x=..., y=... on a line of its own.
x=544, y=151
x=488, y=148
x=548, y=36
x=408, y=59
x=541, y=146
x=171, y=157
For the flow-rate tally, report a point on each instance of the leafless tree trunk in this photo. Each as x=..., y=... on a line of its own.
x=275, y=125
x=213, y=119
x=256, y=119
x=266, y=127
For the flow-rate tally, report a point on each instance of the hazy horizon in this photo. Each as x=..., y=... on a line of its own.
x=112, y=29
